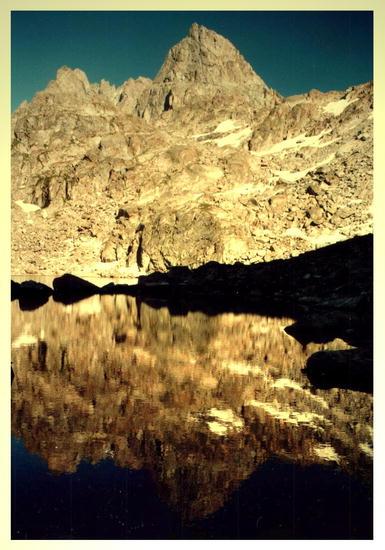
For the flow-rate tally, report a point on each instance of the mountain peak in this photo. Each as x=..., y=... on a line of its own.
x=198, y=31
x=194, y=29
x=204, y=67
x=73, y=81
x=206, y=57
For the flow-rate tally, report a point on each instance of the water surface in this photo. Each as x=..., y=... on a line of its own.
x=129, y=422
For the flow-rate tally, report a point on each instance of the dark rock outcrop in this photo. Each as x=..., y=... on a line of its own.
x=30, y=294
x=15, y=290
x=350, y=369
x=72, y=286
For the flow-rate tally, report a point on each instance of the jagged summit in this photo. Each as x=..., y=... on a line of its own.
x=208, y=58
x=194, y=30
x=69, y=81
x=202, y=69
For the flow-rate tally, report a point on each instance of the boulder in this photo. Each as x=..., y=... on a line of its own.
x=31, y=294
x=349, y=369
x=15, y=290
x=69, y=284
x=108, y=252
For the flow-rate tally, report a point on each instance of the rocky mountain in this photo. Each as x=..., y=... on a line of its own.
x=205, y=162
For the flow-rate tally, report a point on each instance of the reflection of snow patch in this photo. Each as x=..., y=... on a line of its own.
x=87, y=307
x=208, y=381
x=367, y=449
x=24, y=340
x=224, y=421
x=290, y=416
x=287, y=383
x=217, y=428
x=282, y=383
x=242, y=369
x=337, y=107
x=326, y=452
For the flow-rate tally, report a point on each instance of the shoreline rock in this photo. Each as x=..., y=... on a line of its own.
x=329, y=292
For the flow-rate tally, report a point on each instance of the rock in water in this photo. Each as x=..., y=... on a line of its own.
x=351, y=369
x=15, y=290
x=31, y=294
x=69, y=285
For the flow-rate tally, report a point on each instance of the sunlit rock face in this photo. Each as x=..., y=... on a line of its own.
x=204, y=70
x=207, y=162
x=199, y=401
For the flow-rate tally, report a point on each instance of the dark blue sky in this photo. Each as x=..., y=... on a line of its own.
x=292, y=51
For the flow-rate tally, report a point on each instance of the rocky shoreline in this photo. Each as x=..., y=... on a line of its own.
x=328, y=291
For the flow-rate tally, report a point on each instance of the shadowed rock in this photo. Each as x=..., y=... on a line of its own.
x=354, y=329
x=33, y=287
x=15, y=290
x=30, y=294
x=350, y=369
x=70, y=285
x=29, y=303
x=335, y=277
x=112, y=288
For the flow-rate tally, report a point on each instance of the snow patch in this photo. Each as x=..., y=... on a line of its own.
x=296, y=233
x=234, y=134
x=296, y=143
x=27, y=207
x=226, y=126
x=234, y=139
x=292, y=176
x=322, y=239
x=337, y=107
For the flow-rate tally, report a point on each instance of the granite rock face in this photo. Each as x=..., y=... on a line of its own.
x=204, y=69
x=204, y=163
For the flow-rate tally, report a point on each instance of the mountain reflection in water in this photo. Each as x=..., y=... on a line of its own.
x=200, y=402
